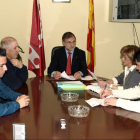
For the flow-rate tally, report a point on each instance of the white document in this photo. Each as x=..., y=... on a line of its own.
x=93, y=88
x=94, y=84
x=95, y=102
x=19, y=132
x=87, y=78
x=64, y=75
x=94, y=76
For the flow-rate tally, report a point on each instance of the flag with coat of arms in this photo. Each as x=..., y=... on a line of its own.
x=36, y=61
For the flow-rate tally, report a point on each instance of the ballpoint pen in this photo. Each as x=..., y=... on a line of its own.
x=104, y=88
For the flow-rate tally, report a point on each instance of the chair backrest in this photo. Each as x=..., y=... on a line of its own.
x=54, y=49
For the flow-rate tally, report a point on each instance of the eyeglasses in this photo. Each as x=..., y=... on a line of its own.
x=124, y=57
x=74, y=42
x=20, y=49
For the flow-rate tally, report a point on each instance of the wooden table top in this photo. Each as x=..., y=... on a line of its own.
x=42, y=117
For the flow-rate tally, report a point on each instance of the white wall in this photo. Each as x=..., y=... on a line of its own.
x=57, y=18
x=110, y=37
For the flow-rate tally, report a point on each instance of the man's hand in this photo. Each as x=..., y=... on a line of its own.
x=104, y=93
x=23, y=100
x=77, y=75
x=16, y=63
x=57, y=75
x=110, y=101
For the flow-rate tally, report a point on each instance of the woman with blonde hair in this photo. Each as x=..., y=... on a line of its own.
x=130, y=77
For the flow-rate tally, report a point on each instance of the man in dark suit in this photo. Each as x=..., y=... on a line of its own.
x=59, y=62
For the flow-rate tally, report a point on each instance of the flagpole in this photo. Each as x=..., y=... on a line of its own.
x=90, y=56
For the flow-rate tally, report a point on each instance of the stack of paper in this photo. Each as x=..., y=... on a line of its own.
x=95, y=102
x=71, y=85
x=94, y=87
x=93, y=93
x=64, y=75
x=70, y=77
x=87, y=78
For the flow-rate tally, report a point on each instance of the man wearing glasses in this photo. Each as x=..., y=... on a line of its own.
x=17, y=73
x=68, y=58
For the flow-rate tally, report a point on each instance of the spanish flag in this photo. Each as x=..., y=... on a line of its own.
x=91, y=38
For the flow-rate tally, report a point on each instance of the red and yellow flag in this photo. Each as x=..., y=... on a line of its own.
x=91, y=38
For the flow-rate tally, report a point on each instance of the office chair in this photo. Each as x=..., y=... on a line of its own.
x=54, y=49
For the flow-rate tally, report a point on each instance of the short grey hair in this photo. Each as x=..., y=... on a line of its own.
x=6, y=42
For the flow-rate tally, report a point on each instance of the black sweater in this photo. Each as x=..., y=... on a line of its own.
x=15, y=77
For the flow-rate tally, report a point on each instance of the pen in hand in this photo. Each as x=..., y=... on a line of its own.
x=103, y=90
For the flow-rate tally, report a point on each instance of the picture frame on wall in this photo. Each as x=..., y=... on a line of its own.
x=61, y=1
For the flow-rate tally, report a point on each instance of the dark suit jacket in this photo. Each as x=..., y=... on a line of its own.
x=59, y=61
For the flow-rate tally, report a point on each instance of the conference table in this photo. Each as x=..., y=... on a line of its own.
x=42, y=116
